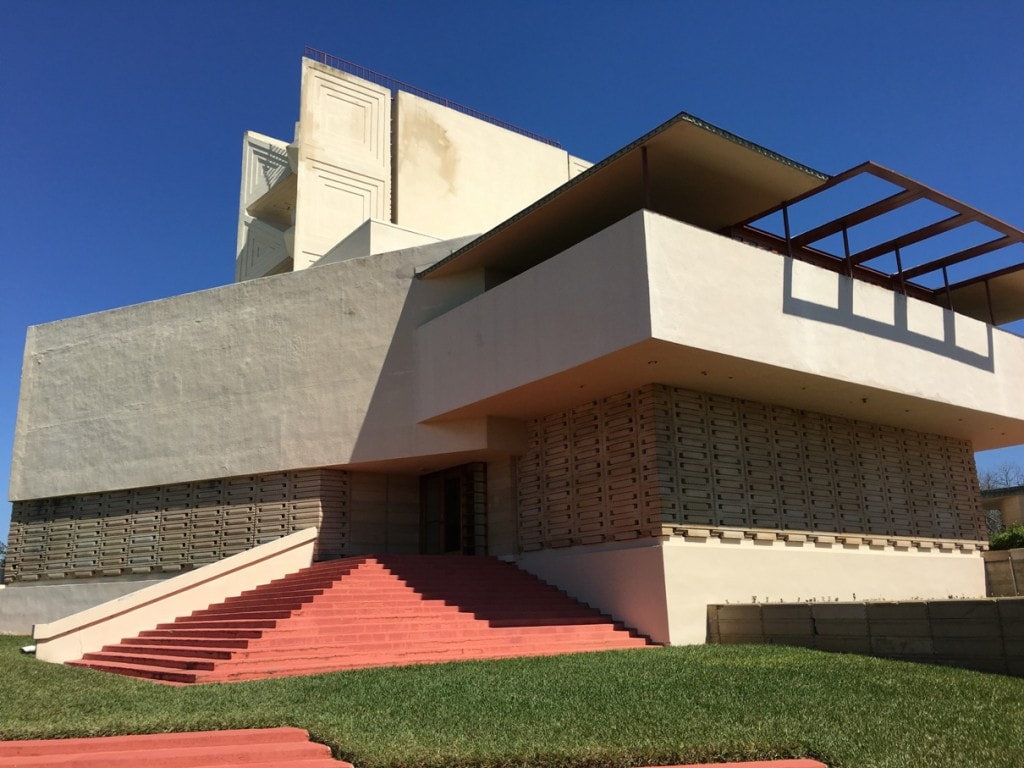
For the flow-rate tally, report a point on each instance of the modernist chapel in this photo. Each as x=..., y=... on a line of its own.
x=672, y=378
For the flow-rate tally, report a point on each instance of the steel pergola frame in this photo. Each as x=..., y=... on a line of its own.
x=855, y=264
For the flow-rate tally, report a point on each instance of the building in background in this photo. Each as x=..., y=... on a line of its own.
x=1006, y=503
x=645, y=381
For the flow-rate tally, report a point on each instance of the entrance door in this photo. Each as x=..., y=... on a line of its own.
x=453, y=515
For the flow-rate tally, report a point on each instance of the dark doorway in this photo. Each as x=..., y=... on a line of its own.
x=453, y=511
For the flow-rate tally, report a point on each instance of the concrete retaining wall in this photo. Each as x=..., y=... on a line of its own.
x=1004, y=572
x=986, y=635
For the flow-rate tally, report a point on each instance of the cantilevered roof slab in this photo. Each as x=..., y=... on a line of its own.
x=686, y=169
x=790, y=334
x=998, y=298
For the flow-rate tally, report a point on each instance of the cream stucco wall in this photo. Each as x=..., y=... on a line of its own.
x=717, y=315
x=662, y=587
x=372, y=237
x=712, y=294
x=457, y=174
x=362, y=153
x=626, y=581
x=706, y=571
x=304, y=369
x=587, y=302
x=344, y=159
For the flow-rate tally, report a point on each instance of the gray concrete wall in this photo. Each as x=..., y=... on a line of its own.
x=22, y=606
x=1004, y=572
x=986, y=635
x=306, y=369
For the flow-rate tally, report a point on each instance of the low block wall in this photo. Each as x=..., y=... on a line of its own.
x=1004, y=573
x=986, y=634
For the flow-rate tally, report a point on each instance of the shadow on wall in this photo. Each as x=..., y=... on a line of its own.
x=897, y=325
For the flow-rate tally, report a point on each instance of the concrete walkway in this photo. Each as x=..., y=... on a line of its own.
x=256, y=748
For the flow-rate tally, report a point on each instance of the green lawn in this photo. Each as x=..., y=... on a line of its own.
x=621, y=708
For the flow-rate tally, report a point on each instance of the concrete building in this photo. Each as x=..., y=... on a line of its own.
x=447, y=336
x=1006, y=503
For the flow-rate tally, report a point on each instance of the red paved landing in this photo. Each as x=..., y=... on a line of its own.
x=367, y=612
x=259, y=748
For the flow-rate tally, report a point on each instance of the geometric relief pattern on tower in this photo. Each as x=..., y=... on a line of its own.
x=344, y=159
x=171, y=528
x=623, y=466
x=353, y=115
x=264, y=164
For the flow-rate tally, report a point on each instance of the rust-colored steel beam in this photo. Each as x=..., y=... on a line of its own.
x=858, y=217
x=959, y=256
x=889, y=246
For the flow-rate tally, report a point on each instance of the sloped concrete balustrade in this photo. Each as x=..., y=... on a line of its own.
x=367, y=612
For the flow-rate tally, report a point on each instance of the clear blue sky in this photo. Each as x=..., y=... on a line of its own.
x=121, y=122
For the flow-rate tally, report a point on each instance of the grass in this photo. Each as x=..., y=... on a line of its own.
x=659, y=706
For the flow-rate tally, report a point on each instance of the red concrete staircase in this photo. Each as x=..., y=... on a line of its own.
x=257, y=748
x=361, y=612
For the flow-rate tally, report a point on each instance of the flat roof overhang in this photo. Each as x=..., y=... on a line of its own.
x=664, y=362
x=686, y=169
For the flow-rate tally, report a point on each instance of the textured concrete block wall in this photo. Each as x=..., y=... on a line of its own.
x=624, y=466
x=1004, y=572
x=174, y=527
x=586, y=476
x=986, y=635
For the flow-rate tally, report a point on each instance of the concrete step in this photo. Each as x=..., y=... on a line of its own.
x=368, y=612
x=251, y=748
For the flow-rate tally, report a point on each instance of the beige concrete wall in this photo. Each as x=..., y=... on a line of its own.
x=581, y=305
x=25, y=604
x=307, y=369
x=744, y=570
x=456, y=174
x=344, y=159
x=741, y=303
x=987, y=635
x=263, y=250
x=1011, y=508
x=716, y=315
x=589, y=475
x=626, y=581
x=372, y=237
